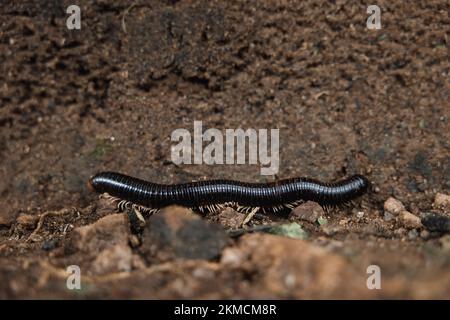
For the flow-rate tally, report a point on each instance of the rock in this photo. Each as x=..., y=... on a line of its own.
x=413, y=234
x=290, y=230
x=393, y=206
x=442, y=200
x=177, y=233
x=308, y=211
x=424, y=234
x=230, y=218
x=105, y=232
x=113, y=259
x=322, y=221
x=408, y=220
x=102, y=247
x=388, y=216
x=295, y=268
x=436, y=222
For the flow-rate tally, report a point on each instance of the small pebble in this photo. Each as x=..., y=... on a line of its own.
x=308, y=211
x=388, y=216
x=442, y=200
x=409, y=220
x=360, y=214
x=231, y=219
x=393, y=206
x=436, y=222
x=413, y=234
x=322, y=221
x=424, y=234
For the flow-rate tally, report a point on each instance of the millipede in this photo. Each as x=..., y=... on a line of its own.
x=213, y=195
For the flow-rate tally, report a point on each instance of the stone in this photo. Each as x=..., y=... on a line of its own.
x=424, y=234
x=436, y=222
x=177, y=233
x=442, y=200
x=322, y=221
x=388, y=216
x=102, y=247
x=413, y=234
x=393, y=206
x=117, y=258
x=290, y=230
x=231, y=219
x=308, y=211
x=295, y=268
x=408, y=220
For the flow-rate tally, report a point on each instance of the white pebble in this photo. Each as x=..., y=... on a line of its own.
x=393, y=206
x=442, y=200
x=409, y=220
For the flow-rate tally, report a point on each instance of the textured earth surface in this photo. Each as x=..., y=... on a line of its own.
x=107, y=97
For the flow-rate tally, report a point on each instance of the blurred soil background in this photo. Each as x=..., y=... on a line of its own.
x=107, y=97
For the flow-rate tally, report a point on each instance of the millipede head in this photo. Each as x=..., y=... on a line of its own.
x=90, y=184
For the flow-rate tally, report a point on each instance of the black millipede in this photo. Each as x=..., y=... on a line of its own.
x=212, y=195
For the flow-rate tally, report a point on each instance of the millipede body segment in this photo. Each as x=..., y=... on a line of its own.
x=213, y=194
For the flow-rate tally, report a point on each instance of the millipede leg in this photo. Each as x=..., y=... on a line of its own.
x=110, y=199
x=212, y=208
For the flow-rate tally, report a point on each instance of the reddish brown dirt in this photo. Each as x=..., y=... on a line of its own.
x=346, y=100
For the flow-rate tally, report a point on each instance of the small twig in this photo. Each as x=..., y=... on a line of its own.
x=124, y=27
x=239, y=232
x=249, y=216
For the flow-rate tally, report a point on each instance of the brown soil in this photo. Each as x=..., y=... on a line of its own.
x=346, y=100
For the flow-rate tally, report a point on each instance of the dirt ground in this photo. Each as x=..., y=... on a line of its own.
x=107, y=97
